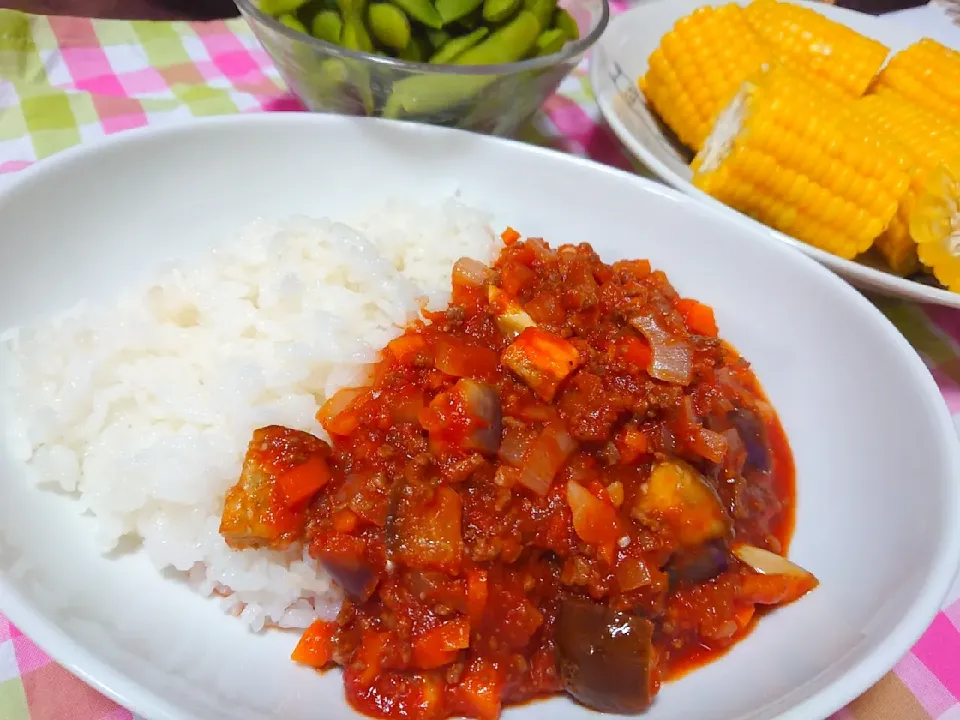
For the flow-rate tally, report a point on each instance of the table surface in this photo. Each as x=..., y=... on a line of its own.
x=207, y=9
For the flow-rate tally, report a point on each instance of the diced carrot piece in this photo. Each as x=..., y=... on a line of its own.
x=698, y=317
x=316, y=645
x=337, y=414
x=478, y=694
x=370, y=655
x=542, y=360
x=598, y=489
x=477, y=593
x=509, y=236
x=463, y=359
x=744, y=615
x=513, y=277
x=637, y=352
x=439, y=646
x=302, y=482
x=408, y=347
x=345, y=520
x=631, y=444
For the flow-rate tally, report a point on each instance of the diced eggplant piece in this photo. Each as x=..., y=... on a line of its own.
x=255, y=514
x=680, y=499
x=349, y=569
x=542, y=360
x=468, y=417
x=754, y=437
x=483, y=408
x=428, y=534
x=698, y=564
x=607, y=659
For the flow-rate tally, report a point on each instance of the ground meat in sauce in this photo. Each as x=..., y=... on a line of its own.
x=542, y=490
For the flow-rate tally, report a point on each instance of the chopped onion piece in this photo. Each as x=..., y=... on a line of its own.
x=470, y=272
x=545, y=456
x=766, y=562
x=672, y=359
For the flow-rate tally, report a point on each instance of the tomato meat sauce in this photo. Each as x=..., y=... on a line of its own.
x=565, y=482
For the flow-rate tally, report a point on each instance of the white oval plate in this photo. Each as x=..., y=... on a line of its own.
x=876, y=453
x=620, y=58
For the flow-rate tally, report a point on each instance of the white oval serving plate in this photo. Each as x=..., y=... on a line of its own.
x=877, y=457
x=620, y=58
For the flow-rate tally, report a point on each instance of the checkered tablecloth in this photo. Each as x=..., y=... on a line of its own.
x=65, y=81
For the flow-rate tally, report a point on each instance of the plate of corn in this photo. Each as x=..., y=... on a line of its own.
x=840, y=132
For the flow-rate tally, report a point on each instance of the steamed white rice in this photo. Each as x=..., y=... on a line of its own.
x=143, y=409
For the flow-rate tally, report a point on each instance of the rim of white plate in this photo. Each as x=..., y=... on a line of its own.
x=114, y=683
x=879, y=281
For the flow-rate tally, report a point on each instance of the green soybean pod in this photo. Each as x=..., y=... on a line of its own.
x=417, y=50
x=327, y=25
x=389, y=25
x=495, y=11
x=542, y=10
x=455, y=47
x=276, y=8
x=472, y=21
x=422, y=11
x=354, y=35
x=423, y=94
x=509, y=43
x=551, y=41
x=453, y=10
x=436, y=38
x=291, y=22
x=563, y=20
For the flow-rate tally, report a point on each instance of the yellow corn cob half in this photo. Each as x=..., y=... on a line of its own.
x=842, y=59
x=699, y=65
x=930, y=141
x=935, y=224
x=792, y=157
x=927, y=74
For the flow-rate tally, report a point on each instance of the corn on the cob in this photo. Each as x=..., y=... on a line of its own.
x=927, y=74
x=930, y=140
x=699, y=65
x=794, y=158
x=842, y=59
x=935, y=224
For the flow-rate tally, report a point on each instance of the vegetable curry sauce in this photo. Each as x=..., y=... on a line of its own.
x=565, y=482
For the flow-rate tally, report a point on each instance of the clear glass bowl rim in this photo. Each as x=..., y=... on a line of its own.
x=570, y=51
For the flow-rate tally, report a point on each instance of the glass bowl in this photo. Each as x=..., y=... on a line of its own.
x=493, y=99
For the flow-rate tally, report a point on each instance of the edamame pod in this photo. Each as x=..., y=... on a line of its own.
x=510, y=43
x=471, y=21
x=422, y=11
x=426, y=94
x=334, y=71
x=291, y=22
x=417, y=50
x=455, y=47
x=496, y=11
x=563, y=20
x=389, y=25
x=276, y=8
x=542, y=10
x=452, y=10
x=437, y=38
x=550, y=41
x=354, y=35
x=327, y=25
